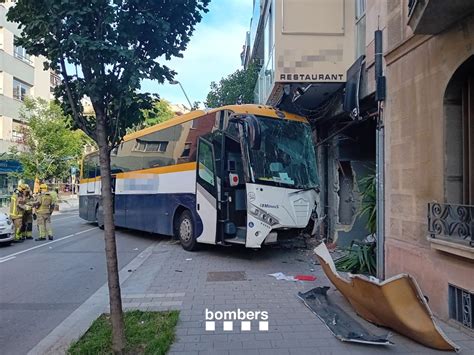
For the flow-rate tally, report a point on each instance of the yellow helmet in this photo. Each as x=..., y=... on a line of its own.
x=22, y=187
x=43, y=187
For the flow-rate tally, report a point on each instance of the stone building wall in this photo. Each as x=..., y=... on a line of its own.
x=418, y=69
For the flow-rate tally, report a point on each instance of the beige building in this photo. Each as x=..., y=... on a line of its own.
x=429, y=147
x=21, y=75
x=411, y=122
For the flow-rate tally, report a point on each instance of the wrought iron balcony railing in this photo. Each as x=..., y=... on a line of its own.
x=452, y=222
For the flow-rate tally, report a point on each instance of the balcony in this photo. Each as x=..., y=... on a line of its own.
x=451, y=228
x=265, y=81
x=434, y=16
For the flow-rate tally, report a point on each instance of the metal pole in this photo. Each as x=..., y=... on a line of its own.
x=380, y=202
x=187, y=98
x=380, y=155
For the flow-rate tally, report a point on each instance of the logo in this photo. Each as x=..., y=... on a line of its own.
x=267, y=205
x=247, y=319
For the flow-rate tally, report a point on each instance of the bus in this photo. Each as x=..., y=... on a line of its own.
x=239, y=174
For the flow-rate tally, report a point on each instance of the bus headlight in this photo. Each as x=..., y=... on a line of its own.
x=263, y=216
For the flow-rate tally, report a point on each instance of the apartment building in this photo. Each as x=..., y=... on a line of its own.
x=402, y=109
x=428, y=54
x=21, y=75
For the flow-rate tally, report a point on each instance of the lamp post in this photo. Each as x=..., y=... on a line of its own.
x=176, y=82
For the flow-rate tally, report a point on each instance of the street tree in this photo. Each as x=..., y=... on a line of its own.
x=237, y=87
x=159, y=112
x=50, y=147
x=112, y=45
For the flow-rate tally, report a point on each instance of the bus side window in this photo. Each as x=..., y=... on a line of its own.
x=206, y=163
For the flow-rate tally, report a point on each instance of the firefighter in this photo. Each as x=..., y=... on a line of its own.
x=44, y=207
x=27, y=221
x=16, y=213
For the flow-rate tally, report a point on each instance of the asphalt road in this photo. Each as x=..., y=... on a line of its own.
x=42, y=283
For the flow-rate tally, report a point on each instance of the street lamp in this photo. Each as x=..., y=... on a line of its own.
x=176, y=82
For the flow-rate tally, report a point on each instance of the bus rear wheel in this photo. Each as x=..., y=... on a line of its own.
x=185, y=231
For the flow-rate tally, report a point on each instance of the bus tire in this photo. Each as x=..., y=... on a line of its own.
x=185, y=231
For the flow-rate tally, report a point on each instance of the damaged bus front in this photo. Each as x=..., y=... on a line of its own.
x=265, y=179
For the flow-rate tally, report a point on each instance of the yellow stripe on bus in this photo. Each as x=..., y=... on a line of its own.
x=139, y=173
x=260, y=110
x=160, y=170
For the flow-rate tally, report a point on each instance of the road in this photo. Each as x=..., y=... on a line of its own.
x=42, y=283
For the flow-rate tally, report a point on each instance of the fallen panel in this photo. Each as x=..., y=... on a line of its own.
x=344, y=327
x=395, y=303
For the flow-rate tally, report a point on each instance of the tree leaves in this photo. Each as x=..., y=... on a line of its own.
x=114, y=44
x=52, y=147
x=238, y=87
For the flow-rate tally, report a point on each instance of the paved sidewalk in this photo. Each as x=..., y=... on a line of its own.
x=171, y=278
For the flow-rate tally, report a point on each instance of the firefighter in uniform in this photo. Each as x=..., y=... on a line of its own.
x=16, y=213
x=27, y=221
x=44, y=207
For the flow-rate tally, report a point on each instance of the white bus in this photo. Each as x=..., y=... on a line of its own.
x=242, y=174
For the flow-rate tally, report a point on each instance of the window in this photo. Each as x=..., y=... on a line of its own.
x=206, y=163
x=144, y=146
x=20, y=53
x=194, y=123
x=20, y=90
x=17, y=136
x=187, y=150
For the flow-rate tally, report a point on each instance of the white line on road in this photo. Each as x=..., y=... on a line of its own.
x=43, y=245
x=10, y=258
x=61, y=219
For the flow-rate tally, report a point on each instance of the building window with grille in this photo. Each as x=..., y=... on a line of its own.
x=20, y=90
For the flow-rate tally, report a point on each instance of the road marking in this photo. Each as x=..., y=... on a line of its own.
x=62, y=219
x=10, y=258
x=48, y=243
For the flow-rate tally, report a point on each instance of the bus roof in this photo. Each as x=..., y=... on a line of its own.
x=261, y=110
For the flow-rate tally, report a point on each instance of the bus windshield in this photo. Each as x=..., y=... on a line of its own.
x=286, y=155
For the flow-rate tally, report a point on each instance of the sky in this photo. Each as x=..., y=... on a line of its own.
x=213, y=52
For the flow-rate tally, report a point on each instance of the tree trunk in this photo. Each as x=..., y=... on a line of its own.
x=115, y=299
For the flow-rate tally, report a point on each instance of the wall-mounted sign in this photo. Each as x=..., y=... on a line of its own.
x=312, y=77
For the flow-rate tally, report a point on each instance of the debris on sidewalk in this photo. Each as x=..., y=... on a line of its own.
x=395, y=303
x=305, y=278
x=282, y=276
x=341, y=325
x=189, y=259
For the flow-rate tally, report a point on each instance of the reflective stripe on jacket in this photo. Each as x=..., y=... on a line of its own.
x=15, y=212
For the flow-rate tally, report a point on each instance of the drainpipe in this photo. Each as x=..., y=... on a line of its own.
x=380, y=155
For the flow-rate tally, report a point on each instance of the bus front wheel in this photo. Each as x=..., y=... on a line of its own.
x=185, y=231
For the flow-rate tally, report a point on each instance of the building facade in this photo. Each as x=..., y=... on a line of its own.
x=21, y=75
x=429, y=148
x=405, y=114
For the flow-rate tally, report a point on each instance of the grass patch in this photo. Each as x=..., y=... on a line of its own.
x=145, y=333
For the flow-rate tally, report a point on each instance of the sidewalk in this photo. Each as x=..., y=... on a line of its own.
x=66, y=204
x=168, y=277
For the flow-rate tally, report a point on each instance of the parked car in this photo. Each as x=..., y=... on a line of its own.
x=6, y=229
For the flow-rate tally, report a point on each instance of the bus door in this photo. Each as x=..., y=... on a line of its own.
x=206, y=191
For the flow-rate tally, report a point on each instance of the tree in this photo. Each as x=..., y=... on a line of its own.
x=158, y=113
x=113, y=45
x=237, y=87
x=51, y=146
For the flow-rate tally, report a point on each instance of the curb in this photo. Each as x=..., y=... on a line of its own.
x=77, y=323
